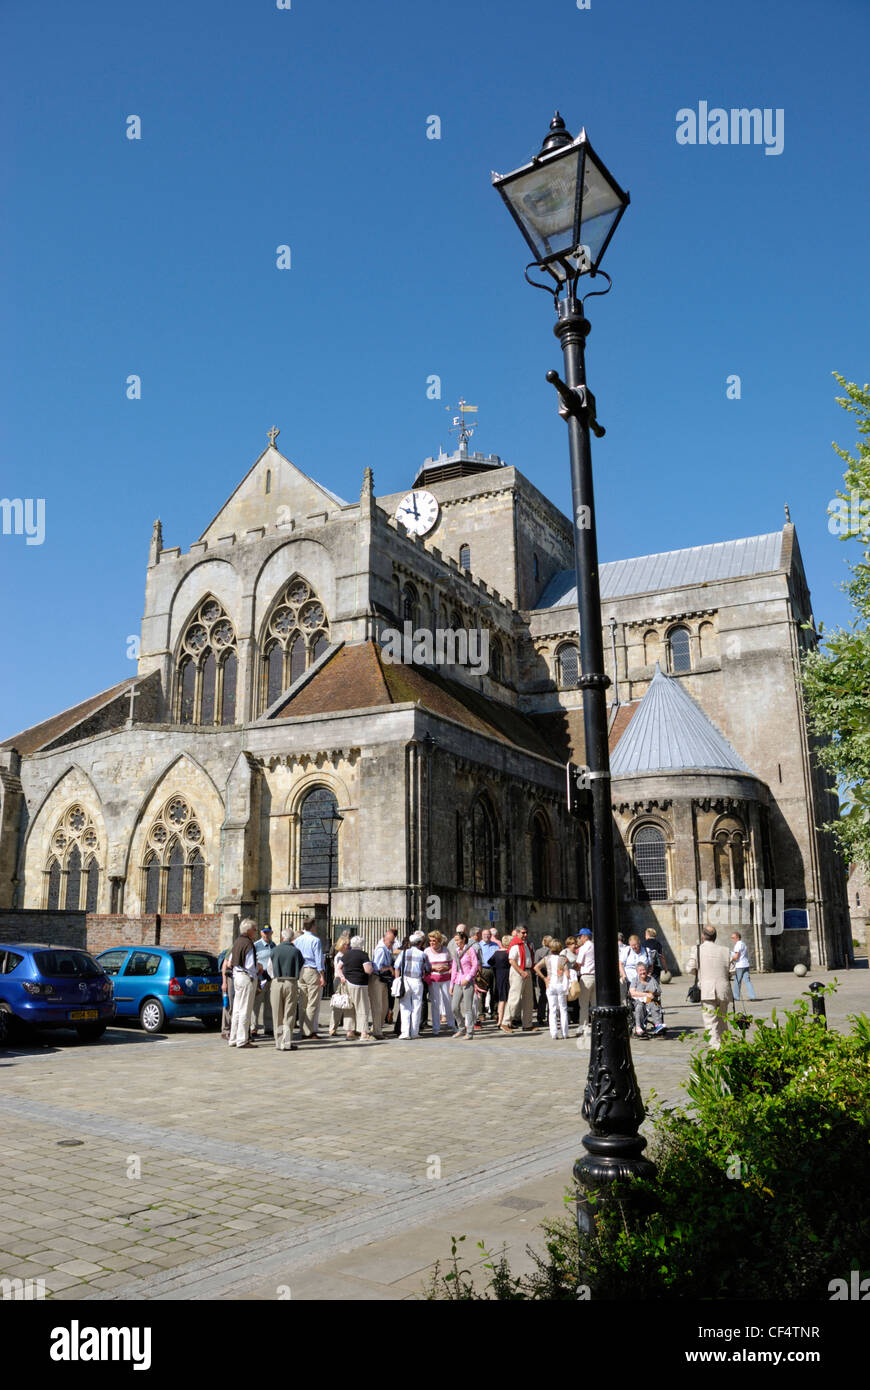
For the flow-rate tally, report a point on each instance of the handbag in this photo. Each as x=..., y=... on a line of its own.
x=340, y=1000
x=573, y=991
x=398, y=986
x=694, y=994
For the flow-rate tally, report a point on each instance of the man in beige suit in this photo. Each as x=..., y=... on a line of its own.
x=715, y=983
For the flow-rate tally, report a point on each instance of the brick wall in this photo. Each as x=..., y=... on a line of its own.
x=98, y=931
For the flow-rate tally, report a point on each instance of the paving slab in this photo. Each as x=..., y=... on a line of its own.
x=342, y=1170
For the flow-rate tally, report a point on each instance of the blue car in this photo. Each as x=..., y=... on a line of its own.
x=53, y=987
x=156, y=984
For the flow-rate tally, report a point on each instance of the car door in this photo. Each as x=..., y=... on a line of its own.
x=139, y=978
x=113, y=963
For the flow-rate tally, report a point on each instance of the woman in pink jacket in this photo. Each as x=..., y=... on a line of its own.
x=463, y=971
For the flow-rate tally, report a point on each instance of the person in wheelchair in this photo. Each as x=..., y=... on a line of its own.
x=646, y=1001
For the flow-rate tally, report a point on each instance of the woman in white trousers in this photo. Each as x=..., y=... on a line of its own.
x=410, y=965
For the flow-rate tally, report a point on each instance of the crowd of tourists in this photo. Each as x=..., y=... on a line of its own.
x=452, y=986
x=456, y=986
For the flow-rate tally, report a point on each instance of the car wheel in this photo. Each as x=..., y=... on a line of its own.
x=5, y=1027
x=89, y=1032
x=152, y=1016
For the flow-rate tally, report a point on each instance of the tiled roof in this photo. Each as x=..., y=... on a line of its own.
x=673, y=569
x=357, y=678
x=669, y=732
x=40, y=735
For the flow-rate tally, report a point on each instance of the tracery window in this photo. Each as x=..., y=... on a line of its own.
x=173, y=864
x=207, y=669
x=567, y=666
x=72, y=874
x=650, y=864
x=297, y=633
x=496, y=661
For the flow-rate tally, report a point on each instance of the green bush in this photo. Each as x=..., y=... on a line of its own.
x=758, y=1193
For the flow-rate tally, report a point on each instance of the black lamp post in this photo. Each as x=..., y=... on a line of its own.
x=330, y=825
x=567, y=207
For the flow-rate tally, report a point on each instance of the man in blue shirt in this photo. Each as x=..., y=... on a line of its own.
x=311, y=978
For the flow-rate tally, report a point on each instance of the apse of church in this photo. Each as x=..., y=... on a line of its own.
x=272, y=757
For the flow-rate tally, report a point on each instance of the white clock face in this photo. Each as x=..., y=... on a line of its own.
x=418, y=512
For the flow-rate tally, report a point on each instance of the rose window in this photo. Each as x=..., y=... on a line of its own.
x=298, y=592
x=177, y=811
x=192, y=832
x=160, y=834
x=76, y=819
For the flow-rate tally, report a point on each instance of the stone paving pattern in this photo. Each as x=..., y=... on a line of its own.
x=306, y=1174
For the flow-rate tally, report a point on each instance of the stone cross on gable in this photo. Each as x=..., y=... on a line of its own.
x=272, y=435
x=134, y=695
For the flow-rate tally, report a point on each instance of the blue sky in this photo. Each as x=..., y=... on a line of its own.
x=307, y=127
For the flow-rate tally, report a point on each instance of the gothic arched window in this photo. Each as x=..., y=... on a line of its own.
x=496, y=661
x=205, y=679
x=315, y=859
x=484, y=848
x=650, y=865
x=197, y=882
x=173, y=865
x=152, y=883
x=540, y=856
x=73, y=871
x=53, y=886
x=296, y=633
x=680, y=649
x=465, y=557
x=92, y=885
x=228, y=689
x=567, y=666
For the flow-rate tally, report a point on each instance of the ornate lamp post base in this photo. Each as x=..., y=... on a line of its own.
x=613, y=1107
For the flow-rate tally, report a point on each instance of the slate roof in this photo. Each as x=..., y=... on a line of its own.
x=40, y=735
x=356, y=677
x=673, y=569
x=670, y=732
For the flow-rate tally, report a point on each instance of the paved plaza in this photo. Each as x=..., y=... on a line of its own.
x=174, y=1167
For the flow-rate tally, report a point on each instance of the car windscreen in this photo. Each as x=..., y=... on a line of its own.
x=56, y=964
x=194, y=963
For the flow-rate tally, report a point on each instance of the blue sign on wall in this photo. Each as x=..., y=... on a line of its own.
x=796, y=917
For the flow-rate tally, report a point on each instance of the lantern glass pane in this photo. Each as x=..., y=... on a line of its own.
x=544, y=201
x=601, y=207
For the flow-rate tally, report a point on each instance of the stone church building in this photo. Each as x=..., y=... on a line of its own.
x=264, y=703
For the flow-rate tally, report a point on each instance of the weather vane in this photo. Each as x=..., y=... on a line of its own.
x=460, y=425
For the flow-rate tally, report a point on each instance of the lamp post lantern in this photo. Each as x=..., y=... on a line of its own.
x=567, y=206
x=330, y=825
